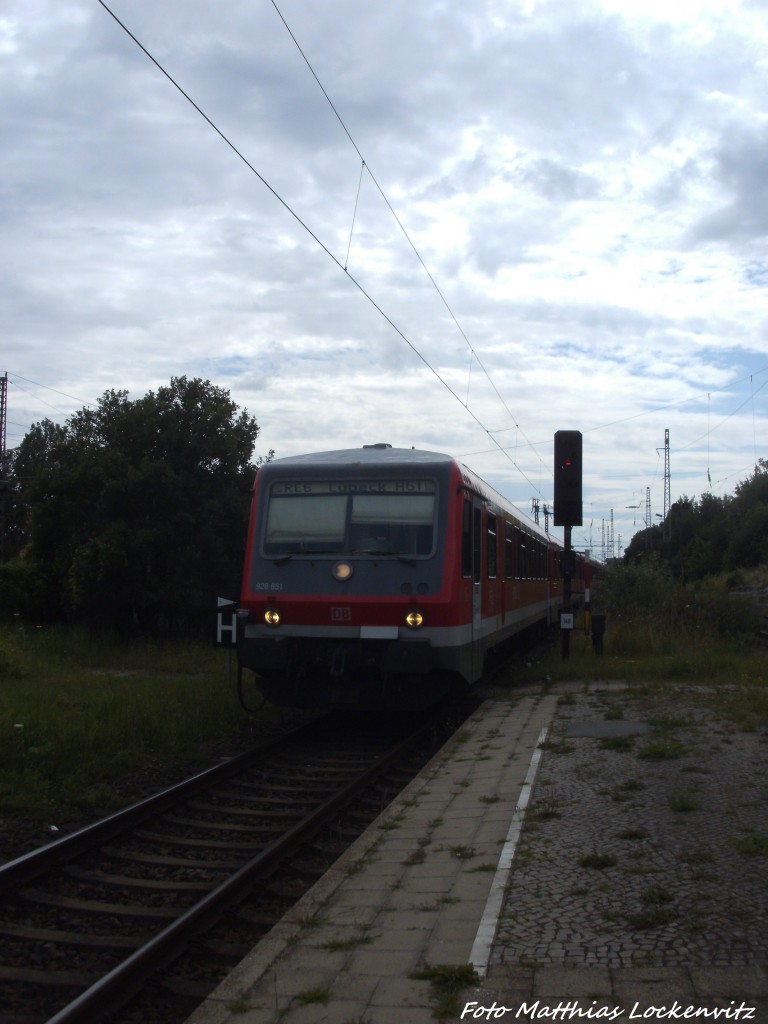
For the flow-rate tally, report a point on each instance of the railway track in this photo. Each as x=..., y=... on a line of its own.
x=139, y=916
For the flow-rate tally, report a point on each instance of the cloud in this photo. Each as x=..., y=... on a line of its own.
x=585, y=183
x=741, y=160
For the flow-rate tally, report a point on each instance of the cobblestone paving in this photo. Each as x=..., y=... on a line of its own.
x=647, y=845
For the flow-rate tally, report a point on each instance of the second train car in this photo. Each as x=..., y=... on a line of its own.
x=377, y=577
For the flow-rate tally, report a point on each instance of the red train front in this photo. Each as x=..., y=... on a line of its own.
x=377, y=577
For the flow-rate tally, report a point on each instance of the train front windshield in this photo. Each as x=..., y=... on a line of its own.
x=360, y=517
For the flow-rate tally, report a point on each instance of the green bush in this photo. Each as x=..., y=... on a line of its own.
x=23, y=593
x=652, y=610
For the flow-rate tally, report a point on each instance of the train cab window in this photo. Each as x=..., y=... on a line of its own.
x=391, y=524
x=376, y=517
x=509, y=552
x=491, y=548
x=312, y=522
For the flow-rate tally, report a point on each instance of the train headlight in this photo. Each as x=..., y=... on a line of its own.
x=272, y=617
x=342, y=571
x=414, y=620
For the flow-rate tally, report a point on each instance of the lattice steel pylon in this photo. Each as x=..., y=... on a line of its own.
x=611, y=546
x=667, y=483
x=3, y=418
x=648, y=508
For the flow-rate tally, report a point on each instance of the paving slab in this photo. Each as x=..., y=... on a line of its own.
x=619, y=891
x=424, y=910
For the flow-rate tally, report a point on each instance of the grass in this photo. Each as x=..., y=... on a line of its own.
x=752, y=844
x=661, y=750
x=342, y=945
x=462, y=852
x=447, y=985
x=76, y=714
x=313, y=996
x=656, y=911
x=682, y=801
x=624, y=791
x=633, y=834
x=650, y=647
x=239, y=1005
x=598, y=861
x=619, y=743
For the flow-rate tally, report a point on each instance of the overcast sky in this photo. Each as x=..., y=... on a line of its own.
x=585, y=181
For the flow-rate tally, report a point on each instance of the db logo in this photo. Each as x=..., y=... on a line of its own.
x=341, y=614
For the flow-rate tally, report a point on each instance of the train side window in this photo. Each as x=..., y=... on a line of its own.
x=466, y=539
x=477, y=543
x=518, y=554
x=509, y=552
x=491, y=547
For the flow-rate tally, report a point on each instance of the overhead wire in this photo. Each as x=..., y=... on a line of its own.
x=738, y=408
x=17, y=377
x=308, y=230
x=398, y=221
x=654, y=411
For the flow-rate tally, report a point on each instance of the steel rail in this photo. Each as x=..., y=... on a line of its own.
x=30, y=865
x=120, y=984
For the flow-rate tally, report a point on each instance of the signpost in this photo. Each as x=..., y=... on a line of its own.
x=568, y=513
x=226, y=623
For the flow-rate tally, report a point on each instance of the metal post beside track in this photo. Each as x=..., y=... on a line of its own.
x=565, y=626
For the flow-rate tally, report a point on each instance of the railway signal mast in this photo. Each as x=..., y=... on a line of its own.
x=568, y=513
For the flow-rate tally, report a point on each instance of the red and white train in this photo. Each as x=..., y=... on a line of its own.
x=377, y=577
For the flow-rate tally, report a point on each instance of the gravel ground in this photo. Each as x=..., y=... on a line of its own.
x=647, y=839
x=20, y=834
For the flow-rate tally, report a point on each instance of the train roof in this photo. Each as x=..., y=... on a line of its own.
x=369, y=455
x=381, y=454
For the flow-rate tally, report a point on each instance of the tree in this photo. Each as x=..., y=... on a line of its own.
x=136, y=511
x=704, y=536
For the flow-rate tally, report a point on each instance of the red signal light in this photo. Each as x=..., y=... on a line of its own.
x=568, y=503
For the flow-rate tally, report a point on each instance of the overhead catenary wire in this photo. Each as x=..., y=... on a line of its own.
x=241, y=156
x=403, y=229
x=354, y=213
x=725, y=419
x=656, y=410
x=46, y=387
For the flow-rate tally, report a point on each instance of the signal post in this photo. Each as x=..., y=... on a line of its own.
x=568, y=513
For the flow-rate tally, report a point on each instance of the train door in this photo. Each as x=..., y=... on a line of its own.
x=472, y=574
